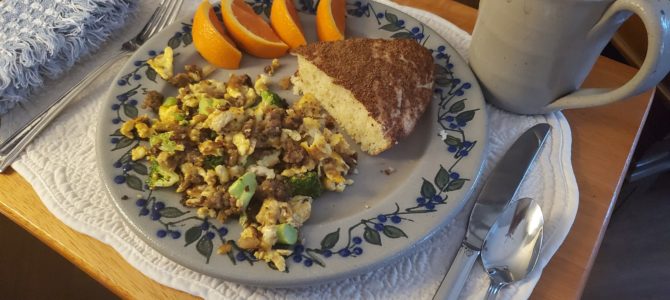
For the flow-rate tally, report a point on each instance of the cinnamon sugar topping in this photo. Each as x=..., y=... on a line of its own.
x=393, y=79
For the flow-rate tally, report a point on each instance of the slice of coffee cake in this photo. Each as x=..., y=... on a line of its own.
x=376, y=89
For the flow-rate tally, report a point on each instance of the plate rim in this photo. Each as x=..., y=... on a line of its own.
x=285, y=281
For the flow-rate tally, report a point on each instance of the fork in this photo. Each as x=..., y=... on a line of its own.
x=164, y=14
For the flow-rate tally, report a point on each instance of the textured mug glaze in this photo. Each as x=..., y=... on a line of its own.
x=531, y=56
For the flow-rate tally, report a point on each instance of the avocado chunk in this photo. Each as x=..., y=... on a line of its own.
x=307, y=184
x=243, y=189
x=204, y=105
x=169, y=101
x=287, y=234
x=160, y=176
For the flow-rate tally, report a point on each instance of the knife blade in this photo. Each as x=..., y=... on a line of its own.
x=501, y=186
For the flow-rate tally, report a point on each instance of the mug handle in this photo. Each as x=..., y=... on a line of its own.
x=656, y=18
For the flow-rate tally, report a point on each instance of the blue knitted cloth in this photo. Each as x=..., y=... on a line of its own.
x=43, y=38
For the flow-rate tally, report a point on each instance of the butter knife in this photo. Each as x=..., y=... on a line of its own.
x=501, y=186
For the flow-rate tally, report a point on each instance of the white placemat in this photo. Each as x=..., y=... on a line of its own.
x=61, y=167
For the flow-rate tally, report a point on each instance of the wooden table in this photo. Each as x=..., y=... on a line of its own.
x=603, y=142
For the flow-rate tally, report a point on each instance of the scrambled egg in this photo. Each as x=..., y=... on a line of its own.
x=274, y=256
x=162, y=63
x=244, y=145
x=207, y=140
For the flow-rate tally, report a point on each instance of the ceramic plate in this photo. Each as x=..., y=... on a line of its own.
x=375, y=220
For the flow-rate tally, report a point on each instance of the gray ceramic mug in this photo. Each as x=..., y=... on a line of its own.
x=531, y=56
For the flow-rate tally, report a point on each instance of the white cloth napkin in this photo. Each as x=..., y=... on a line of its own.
x=61, y=166
x=44, y=38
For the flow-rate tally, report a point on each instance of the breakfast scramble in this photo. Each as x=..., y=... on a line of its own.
x=237, y=149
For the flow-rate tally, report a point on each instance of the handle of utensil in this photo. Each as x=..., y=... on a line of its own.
x=454, y=280
x=17, y=142
x=493, y=290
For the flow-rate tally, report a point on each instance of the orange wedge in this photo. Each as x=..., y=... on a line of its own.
x=211, y=40
x=284, y=19
x=330, y=20
x=250, y=31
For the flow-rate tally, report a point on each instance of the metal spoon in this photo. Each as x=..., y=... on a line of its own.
x=511, y=247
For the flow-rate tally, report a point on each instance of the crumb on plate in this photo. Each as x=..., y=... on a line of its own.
x=285, y=83
x=270, y=70
x=388, y=170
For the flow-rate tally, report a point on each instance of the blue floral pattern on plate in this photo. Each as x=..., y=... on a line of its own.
x=453, y=113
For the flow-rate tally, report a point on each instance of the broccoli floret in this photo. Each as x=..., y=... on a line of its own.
x=164, y=143
x=307, y=184
x=270, y=98
x=160, y=176
x=159, y=139
x=211, y=161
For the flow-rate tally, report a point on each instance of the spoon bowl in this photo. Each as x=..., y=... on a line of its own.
x=511, y=247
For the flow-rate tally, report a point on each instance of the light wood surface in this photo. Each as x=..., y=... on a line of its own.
x=603, y=141
x=19, y=203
